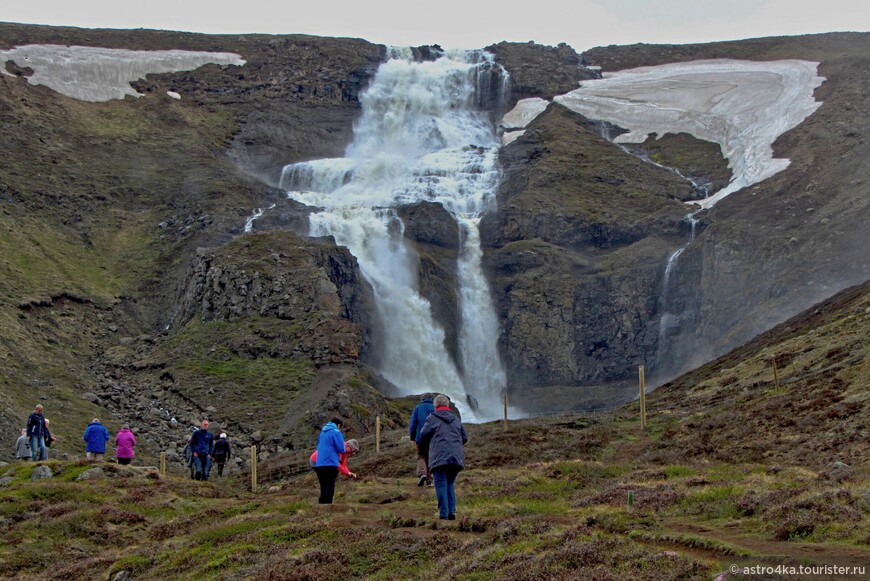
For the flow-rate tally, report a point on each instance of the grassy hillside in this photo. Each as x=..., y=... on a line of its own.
x=544, y=498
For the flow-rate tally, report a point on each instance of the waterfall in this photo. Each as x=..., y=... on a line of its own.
x=424, y=134
x=669, y=320
x=258, y=212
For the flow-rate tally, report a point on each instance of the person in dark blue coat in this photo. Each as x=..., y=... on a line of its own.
x=443, y=437
x=96, y=435
x=36, y=433
x=202, y=445
x=418, y=418
x=330, y=446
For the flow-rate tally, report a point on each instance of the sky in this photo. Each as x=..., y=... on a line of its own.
x=463, y=23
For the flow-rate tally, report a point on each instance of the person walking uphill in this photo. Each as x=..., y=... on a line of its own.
x=96, y=435
x=330, y=447
x=36, y=432
x=443, y=436
x=418, y=418
x=222, y=453
x=124, y=442
x=202, y=444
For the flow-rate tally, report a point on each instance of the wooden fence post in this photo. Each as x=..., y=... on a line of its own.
x=505, y=410
x=642, y=380
x=378, y=434
x=163, y=464
x=253, y=468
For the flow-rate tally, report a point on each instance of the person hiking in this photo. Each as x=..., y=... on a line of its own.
x=351, y=447
x=202, y=445
x=22, y=446
x=330, y=446
x=49, y=439
x=222, y=453
x=36, y=434
x=96, y=435
x=124, y=442
x=418, y=418
x=443, y=437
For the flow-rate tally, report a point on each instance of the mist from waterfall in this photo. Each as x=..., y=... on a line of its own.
x=424, y=135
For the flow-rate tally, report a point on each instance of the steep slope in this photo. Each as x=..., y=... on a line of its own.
x=105, y=204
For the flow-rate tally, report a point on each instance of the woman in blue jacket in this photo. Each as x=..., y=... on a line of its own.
x=443, y=436
x=330, y=445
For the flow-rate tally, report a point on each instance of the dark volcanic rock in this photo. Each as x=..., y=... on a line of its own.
x=434, y=234
x=429, y=223
x=539, y=71
x=575, y=252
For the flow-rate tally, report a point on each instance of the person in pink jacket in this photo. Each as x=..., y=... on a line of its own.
x=124, y=442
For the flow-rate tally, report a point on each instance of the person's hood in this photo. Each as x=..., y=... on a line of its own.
x=426, y=400
x=446, y=415
x=328, y=427
x=128, y=430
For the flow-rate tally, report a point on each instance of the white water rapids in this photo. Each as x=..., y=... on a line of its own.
x=421, y=136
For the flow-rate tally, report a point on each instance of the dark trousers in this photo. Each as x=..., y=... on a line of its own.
x=327, y=476
x=124, y=461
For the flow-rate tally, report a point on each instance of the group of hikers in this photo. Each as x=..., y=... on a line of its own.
x=34, y=440
x=438, y=435
x=202, y=452
x=434, y=429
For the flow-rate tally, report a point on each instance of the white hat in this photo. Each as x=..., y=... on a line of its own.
x=224, y=436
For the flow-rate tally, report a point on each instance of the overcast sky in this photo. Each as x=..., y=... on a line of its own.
x=463, y=23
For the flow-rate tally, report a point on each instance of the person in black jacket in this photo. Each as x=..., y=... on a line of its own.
x=443, y=437
x=222, y=453
x=36, y=432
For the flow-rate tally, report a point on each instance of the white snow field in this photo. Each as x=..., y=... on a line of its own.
x=99, y=74
x=741, y=105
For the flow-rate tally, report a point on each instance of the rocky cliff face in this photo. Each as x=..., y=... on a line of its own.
x=772, y=250
x=575, y=252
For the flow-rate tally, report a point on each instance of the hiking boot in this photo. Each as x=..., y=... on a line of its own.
x=451, y=517
x=428, y=482
x=422, y=481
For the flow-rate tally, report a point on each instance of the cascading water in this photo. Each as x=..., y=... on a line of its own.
x=424, y=134
x=668, y=320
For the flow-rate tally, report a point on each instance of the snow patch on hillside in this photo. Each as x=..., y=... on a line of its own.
x=100, y=74
x=741, y=105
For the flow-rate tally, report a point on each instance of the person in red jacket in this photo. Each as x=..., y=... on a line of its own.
x=124, y=442
x=351, y=447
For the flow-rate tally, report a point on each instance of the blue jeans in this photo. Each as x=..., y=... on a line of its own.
x=444, y=477
x=37, y=448
x=202, y=467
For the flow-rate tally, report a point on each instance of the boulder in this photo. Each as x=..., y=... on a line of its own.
x=41, y=472
x=92, y=474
